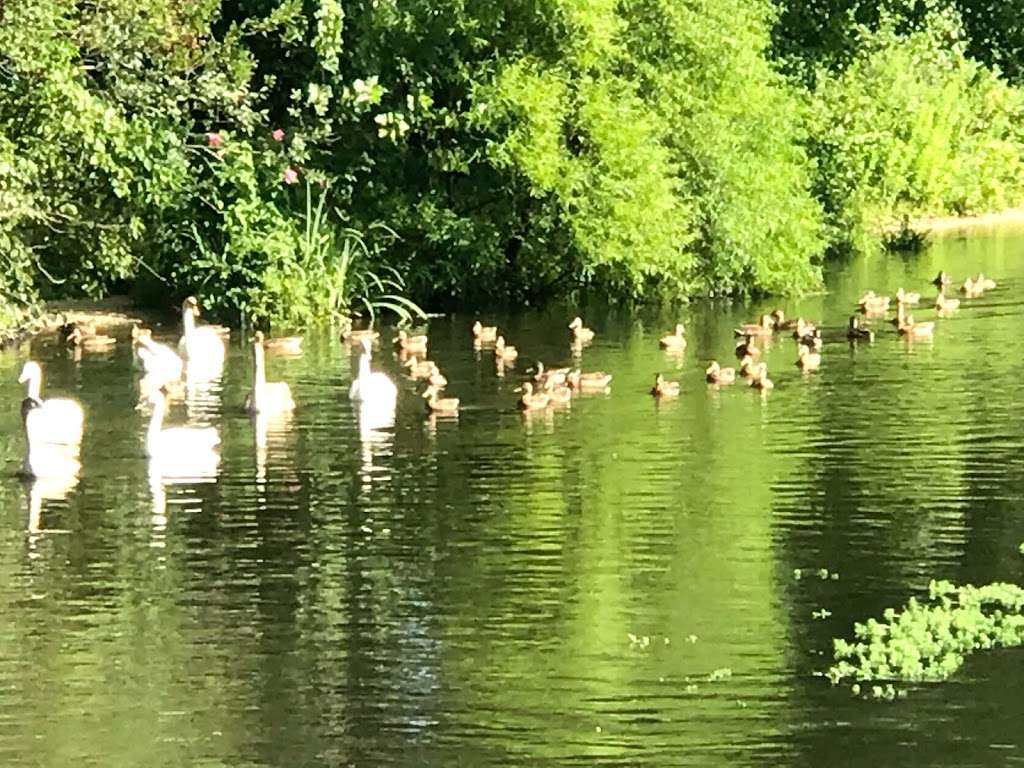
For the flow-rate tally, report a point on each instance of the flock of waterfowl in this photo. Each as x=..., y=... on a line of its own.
x=551, y=387
x=808, y=338
x=53, y=427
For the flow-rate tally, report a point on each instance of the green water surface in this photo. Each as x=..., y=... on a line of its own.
x=463, y=592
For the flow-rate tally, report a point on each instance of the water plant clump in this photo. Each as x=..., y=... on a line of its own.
x=929, y=640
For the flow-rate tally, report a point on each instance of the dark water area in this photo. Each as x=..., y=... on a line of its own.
x=610, y=583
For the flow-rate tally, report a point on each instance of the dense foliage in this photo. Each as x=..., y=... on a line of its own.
x=290, y=159
x=912, y=126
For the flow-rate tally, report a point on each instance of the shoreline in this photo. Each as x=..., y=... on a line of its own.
x=946, y=225
x=116, y=311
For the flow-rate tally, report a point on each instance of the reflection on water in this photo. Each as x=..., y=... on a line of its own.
x=48, y=488
x=611, y=583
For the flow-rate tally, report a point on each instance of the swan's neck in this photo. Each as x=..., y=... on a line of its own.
x=27, y=464
x=35, y=385
x=188, y=324
x=364, y=365
x=156, y=423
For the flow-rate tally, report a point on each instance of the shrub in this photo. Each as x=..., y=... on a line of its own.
x=914, y=127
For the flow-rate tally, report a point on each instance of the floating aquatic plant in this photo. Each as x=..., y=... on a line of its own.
x=643, y=641
x=723, y=673
x=638, y=641
x=821, y=573
x=929, y=640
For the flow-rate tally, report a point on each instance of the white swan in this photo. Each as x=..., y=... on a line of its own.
x=266, y=397
x=372, y=387
x=50, y=471
x=160, y=362
x=202, y=345
x=179, y=451
x=46, y=460
x=55, y=420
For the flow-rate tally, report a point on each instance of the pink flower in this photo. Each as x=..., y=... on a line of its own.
x=277, y=134
x=214, y=140
x=290, y=176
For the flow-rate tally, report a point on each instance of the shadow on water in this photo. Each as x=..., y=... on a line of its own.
x=613, y=582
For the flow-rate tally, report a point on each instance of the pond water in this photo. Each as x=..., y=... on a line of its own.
x=463, y=592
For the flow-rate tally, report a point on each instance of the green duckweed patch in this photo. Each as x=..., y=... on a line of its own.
x=930, y=639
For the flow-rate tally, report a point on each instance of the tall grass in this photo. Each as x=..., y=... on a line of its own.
x=341, y=262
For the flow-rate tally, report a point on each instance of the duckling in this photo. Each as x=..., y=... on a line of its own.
x=916, y=330
x=443, y=405
x=808, y=360
x=763, y=328
x=663, y=388
x=530, y=400
x=580, y=333
x=416, y=345
x=558, y=374
x=503, y=351
x=266, y=397
x=760, y=379
x=95, y=343
x=942, y=280
x=559, y=393
x=675, y=341
x=716, y=374
x=856, y=332
x=746, y=348
x=986, y=283
x=942, y=304
x=356, y=337
x=284, y=345
x=901, y=316
x=780, y=323
x=747, y=366
x=811, y=340
x=68, y=327
x=485, y=334
x=907, y=297
x=804, y=328
x=873, y=304
x=419, y=369
x=436, y=378
x=970, y=289
x=593, y=381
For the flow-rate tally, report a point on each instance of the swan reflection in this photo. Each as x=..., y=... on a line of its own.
x=55, y=486
x=376, y=437
x=270, y=432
